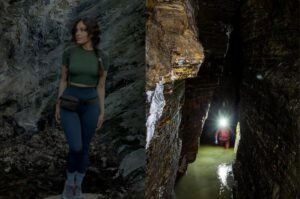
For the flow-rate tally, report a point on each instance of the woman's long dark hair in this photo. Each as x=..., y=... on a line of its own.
x=93, y=30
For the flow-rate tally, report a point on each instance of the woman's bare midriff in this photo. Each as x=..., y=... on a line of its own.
x=81, y=85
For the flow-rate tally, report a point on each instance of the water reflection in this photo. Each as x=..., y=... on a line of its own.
x=209, y=177
x=224, y=170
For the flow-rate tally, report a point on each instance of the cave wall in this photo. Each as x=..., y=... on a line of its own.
x=173, y=53
x=32, y=36
x=198, y=95
x=268, y=163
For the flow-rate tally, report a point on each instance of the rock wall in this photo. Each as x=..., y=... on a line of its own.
x=198, y=95
x=33, y=36
x=173, y=53
x=267, y=164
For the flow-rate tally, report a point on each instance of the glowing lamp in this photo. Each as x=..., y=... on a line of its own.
x=223, y=122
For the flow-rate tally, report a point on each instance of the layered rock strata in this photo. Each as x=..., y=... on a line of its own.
x=173, y=53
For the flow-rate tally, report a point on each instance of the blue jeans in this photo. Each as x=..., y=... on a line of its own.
x=79, y=127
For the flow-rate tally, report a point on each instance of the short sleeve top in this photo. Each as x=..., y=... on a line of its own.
x=82, y=64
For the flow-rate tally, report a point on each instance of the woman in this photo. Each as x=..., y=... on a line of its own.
x=83, y=74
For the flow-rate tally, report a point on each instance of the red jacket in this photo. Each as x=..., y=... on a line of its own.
x=223, y=134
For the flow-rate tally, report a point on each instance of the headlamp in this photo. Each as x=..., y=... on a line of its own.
x=223, y=122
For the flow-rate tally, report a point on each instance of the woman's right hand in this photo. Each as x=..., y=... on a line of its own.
x=57, y=112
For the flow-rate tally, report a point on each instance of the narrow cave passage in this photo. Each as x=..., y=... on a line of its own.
x=253, y=69
x=256, y=83
x=211, y=175
x=215, y=95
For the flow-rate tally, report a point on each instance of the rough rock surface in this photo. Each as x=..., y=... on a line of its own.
x=270, y=106
x=33, y=166
x=32, y=34
x=173, y=54
x=172, y=50
x=86, y=196
x=198, y=95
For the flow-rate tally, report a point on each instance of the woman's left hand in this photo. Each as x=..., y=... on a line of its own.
x=100, y=121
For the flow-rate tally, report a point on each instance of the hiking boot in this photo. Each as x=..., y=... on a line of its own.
x=68, y=192
x=78, y=193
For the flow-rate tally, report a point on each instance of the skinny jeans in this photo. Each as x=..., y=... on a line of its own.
x=79, y=127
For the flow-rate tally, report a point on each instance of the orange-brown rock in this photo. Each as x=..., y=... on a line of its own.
x=172, y=48
x=173, y=53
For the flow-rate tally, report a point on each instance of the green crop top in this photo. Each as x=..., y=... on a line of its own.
x=83, y=64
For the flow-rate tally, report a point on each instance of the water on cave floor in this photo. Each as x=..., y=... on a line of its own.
x=209, y=177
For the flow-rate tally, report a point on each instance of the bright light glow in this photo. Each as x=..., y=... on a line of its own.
x=259, y=76
x=223, y=122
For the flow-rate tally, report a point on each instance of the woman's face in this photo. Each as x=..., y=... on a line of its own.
x=81, y=34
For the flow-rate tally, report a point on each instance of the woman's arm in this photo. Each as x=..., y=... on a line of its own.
x=216, y=136
x=101, y=92
x=62, y=86
x=62, y=82
x=101, y=95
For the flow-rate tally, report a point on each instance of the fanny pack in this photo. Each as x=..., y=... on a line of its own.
x=72, y=103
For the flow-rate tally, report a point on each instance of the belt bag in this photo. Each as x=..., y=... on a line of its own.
x=69, y=102
x=72, y=103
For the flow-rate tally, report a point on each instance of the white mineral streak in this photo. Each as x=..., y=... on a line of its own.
x=157, y=101
x=229, y=29
x=173, y=77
